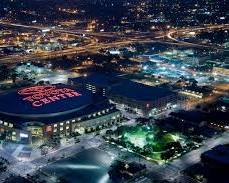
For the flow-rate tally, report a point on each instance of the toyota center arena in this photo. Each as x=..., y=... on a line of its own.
x=40, y=112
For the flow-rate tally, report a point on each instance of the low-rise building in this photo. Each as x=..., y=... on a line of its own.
x=135, y=97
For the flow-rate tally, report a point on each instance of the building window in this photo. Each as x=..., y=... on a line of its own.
x=73, y=120
x=67, y=127
x=61, y=124
x=10, y=125
x=5, y=124
x=61, y=128
x=67, y=122
x=1, y=121
x=55, y=125
x=55, y=130
x=14, y=133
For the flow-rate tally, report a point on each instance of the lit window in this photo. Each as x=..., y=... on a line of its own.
x=14, y=133
x=1, y=121
x=73, y=120
x=55, y=125
x=61, y=124
x=5, y=123
x=67, y=122
x=55, y=130
x=67, y=127
x=10, y=125
x=61, y=128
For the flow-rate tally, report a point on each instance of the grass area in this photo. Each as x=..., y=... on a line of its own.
x=149, y=141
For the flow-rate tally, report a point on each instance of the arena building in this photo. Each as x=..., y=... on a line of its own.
x=39, y=112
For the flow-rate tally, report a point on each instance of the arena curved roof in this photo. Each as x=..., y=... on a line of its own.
x=44, y=101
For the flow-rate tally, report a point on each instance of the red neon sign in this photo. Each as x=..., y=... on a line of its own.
x=42, y=95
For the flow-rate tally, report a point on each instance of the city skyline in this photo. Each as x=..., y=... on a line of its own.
x=114, y=91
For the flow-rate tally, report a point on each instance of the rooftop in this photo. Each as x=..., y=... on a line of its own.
x=199, y=116
x=124, y=87
x=50, y=103
x=219, y=153
x=102, y=80
x=90, y=109
x=140, y=92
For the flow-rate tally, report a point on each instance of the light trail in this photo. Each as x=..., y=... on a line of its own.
x=104, y=179
x=187, y=31
x=77, y=166
x=94, y=46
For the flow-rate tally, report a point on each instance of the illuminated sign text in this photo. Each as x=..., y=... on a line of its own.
x=41, y=95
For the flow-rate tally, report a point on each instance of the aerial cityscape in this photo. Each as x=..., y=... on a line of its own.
x=114, y=91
